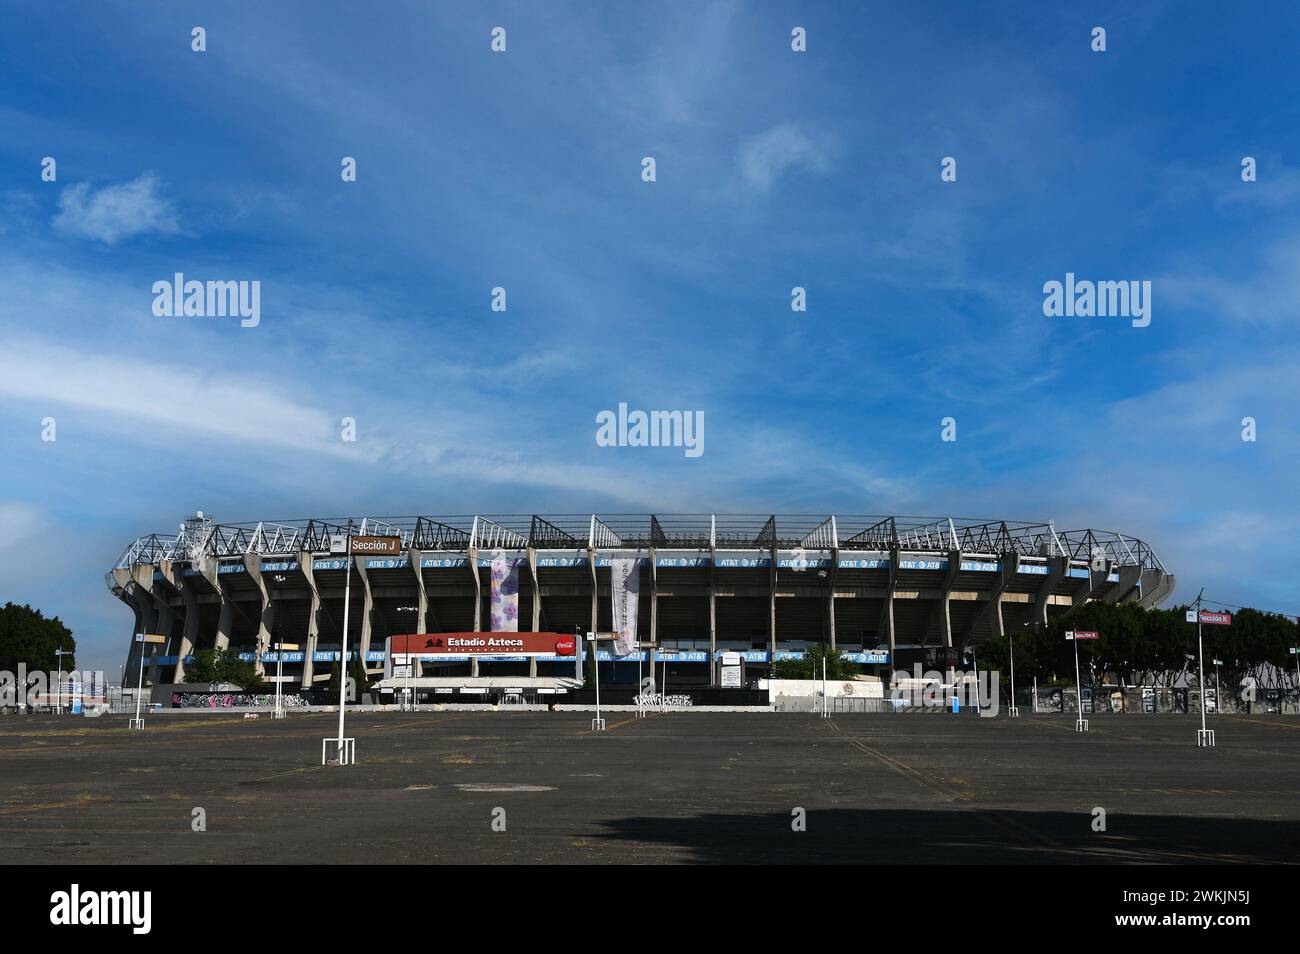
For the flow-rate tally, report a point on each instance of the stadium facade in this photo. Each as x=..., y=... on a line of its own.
x=884, y=589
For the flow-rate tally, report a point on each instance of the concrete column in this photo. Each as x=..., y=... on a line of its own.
x=266, y=615
x=1130, y=578
x=166, y=614
x=189, y=630
x=313, y=620
x=654, y=598
x=993, y=608
x=131, y=592
x=138, y=627
x=225, y=622
x=771, y=610
x=163, y=627
x=944, y=609
x=830, y=595
x=478, y=589
x=887, y=611
x=1156, y=585
x=1096, y=581
x=1056, y=567
x=537, y=604
x=1010, y=567
x=413, y=557
x=478, y=604
x=208, y=568
x=713, y=617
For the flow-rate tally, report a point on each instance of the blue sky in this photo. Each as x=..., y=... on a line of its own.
x=522, y=170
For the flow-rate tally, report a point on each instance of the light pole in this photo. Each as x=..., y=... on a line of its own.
x=144, y=641
x=58, y=687
x=1295, y=651
x=280, y=649
x=1013, y=711
x=1080, y=724
x=825, y=704
x=597, y=724
x=1205, y=737
x=346, y=747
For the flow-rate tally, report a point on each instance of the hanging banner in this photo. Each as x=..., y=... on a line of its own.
x=625, y=594
x=505, y=594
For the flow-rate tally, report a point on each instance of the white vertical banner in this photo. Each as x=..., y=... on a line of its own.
x=505, y=595
x=625, y=594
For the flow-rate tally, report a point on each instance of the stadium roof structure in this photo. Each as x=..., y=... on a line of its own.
x=204, y=537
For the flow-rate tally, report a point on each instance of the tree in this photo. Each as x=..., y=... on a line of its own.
x=360, y=679
x=838, y=668
x=1138, y=646
x=223, y=665
x=27, y=637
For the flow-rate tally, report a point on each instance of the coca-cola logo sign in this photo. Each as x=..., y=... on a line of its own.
x=566, y=646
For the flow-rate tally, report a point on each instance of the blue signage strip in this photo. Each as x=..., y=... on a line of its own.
x=561, y=562
x=288, y=657
x=681, y=562
x=871, y=657
x=388, y=563
x=922, y=564
x=864, y=563
x=443, y=562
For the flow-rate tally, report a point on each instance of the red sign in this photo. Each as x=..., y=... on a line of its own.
x=1082, y=634
x=430, y=645
x=1217, y=619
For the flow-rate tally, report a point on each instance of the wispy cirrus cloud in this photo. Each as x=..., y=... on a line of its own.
x=116, y=212
x=766, y=157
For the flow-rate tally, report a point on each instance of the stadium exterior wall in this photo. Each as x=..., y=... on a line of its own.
x=760, y=584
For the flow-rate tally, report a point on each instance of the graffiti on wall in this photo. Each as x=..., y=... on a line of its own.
x=234, y=700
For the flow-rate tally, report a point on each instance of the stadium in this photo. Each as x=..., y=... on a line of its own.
x=884, y=590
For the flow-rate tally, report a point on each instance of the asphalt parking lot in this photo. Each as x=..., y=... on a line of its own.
x=676, y=787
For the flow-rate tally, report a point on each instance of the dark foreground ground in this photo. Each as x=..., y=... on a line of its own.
x=680, y=787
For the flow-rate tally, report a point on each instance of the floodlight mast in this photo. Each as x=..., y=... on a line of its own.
x=343, y=646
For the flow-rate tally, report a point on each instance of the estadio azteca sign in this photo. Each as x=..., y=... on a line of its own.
x=433, y=645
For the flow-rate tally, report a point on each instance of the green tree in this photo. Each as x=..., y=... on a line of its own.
x=223, y=665
x=810, y=666
x=27, y=637
x=1144, y=647
x=357, y=670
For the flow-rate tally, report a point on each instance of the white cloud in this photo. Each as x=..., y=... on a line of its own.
x=769, y=155
x=1268, y=294
x=239, y=409
x=116, y=212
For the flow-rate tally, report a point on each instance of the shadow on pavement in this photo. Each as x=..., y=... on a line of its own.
x=852, y=836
